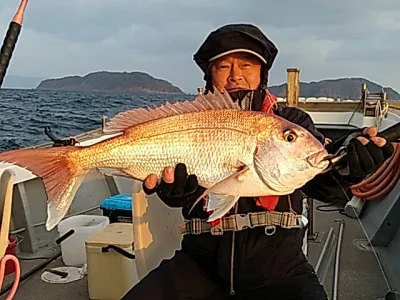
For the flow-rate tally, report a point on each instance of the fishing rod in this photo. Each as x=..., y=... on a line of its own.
x=6, y=52
x=392, y=133
x=11, y=39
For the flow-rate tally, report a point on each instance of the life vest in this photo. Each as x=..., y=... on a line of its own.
x=267, y=202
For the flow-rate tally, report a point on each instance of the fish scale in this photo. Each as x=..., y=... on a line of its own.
x=212, y=153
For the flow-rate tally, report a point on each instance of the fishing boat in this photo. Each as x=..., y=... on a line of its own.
x=354, y=251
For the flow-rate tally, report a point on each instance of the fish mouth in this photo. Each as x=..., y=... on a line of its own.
x=319, y=160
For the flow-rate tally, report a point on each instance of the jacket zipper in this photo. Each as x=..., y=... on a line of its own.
x=246, y=104
x=232, y=292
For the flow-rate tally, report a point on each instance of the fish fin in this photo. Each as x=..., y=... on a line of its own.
x=129, y=173
x=59, y=198
x=60, y=174
x=220, y=204
x=230, y=186
x=210, y=101
x=122, y=173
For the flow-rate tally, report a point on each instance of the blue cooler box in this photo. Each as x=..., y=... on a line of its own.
x=118, y=208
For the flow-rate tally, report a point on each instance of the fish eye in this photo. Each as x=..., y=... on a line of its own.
x=289, y=136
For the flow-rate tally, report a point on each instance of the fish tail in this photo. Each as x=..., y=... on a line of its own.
x=60, y=172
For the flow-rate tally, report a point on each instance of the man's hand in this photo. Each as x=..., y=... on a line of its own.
x=367, y=153
x=176, y=189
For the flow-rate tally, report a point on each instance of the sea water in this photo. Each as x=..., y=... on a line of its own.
x=25, y=113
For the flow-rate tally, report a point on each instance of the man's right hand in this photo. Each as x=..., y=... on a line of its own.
x=176, y=187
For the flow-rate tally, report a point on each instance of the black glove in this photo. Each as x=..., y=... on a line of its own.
x=363, y=160
x=301, y=118
x=183, y=192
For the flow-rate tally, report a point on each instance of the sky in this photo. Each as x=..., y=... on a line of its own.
x=324, y=38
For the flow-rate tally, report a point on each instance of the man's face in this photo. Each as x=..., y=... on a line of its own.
x=236, y=71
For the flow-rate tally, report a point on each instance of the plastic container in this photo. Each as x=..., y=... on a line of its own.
x=118, y=208
x=110, y=274
x=10, y=266
x=73, y=248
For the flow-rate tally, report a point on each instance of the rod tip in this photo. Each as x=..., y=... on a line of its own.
x=19, y=15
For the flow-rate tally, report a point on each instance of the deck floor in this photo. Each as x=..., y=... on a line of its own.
x=360, y=277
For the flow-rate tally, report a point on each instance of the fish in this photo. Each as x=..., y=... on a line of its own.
x=233, y=152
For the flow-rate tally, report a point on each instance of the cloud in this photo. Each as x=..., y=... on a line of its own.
x=326, y=39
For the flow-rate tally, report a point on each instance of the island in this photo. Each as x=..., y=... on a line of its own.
x=135, y=82
x=340, y=88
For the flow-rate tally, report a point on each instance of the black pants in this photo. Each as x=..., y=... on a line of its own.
x=181, y=278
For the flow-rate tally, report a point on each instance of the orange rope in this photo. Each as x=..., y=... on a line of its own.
x=4, y=260
x=382, y=181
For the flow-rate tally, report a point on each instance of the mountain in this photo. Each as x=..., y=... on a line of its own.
x=20, y=82
x=343, y=88
x=139, y=82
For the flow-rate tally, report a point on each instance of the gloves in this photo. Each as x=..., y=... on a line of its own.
x=301, y=118
x=182, y=192
x=365, y=155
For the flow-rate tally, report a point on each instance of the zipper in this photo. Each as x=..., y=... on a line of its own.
x=232, y=291
x=246, y=105
x=247, y=102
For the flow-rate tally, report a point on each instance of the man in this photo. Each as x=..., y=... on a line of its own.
x=252, y=263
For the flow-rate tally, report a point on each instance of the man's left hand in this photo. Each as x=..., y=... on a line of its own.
x=366, y=154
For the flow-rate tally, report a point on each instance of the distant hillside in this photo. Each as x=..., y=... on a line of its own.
x=111, y=81
x=343, y=88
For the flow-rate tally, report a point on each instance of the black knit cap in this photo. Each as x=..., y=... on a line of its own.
x=232, y=37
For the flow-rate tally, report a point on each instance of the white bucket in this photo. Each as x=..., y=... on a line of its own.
x=73, y=248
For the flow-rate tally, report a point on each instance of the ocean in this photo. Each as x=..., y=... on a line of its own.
x=25, y=113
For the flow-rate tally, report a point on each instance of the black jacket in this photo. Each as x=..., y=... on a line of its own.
x=260, y=260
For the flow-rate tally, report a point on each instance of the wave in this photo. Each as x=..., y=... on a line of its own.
x=25, y=113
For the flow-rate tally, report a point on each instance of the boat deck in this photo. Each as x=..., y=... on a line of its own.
x=360, y=277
